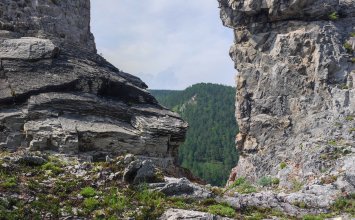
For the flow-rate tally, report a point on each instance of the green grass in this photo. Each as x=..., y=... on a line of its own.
x=243, y=186
x=296, y=185
x=10, y=182
x=91, y=204
x=88, y=192
x=332, y=142
x=350, y=118
x=222, y=209
x=116, y=201
x=312, y=217
x=55, y=169
x=345, y=204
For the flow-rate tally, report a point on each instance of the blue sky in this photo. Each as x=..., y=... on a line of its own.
x=169, y=44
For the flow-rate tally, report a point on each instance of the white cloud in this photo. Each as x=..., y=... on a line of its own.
x=179, y=39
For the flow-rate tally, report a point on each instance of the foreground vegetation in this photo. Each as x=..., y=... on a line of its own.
x=68, y=188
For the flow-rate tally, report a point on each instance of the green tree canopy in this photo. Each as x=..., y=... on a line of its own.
x=209, y=150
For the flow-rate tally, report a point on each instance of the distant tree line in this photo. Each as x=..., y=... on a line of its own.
x=209, y=150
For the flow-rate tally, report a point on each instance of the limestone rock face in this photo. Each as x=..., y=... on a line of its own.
x=177, y=214
x=295, y=91
x=57, y=94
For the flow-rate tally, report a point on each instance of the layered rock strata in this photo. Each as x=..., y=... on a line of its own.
x=57, y=94
x=295, y=91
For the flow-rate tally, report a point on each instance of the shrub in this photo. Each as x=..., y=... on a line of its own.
x=88, y=192
x=333, y=16
x=275, y=181
x=348, y=47
x=283, y=165
x=265, y=181
x=222, y=209
x=238, y=182
x=243, y=186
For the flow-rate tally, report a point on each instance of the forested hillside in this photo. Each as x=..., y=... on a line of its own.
x=209, y=150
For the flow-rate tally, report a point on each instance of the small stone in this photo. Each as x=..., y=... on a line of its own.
x=128, y=158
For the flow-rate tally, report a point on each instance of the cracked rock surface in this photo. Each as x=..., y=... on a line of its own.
x=295, y=101
x=295, y=90
x=57, y=94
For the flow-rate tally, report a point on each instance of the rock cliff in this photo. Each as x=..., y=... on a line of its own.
x=57, y=94
x=295, y=91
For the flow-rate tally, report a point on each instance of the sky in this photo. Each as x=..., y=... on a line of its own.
x=169, y=44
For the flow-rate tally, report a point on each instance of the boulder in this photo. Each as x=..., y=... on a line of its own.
x=27, y=49
x=139, y=171
x=177, y=214
x=181, y=187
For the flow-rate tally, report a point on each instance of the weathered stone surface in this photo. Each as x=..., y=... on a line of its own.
x=57, y=94
x=295, y=91
x=31, y=160
x=58, y=21
x=142, y=171
x=182, y=187
x=27, y=49
x=176, y=214
x=314, y=199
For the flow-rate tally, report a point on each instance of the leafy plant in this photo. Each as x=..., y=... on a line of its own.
x=333, y=16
